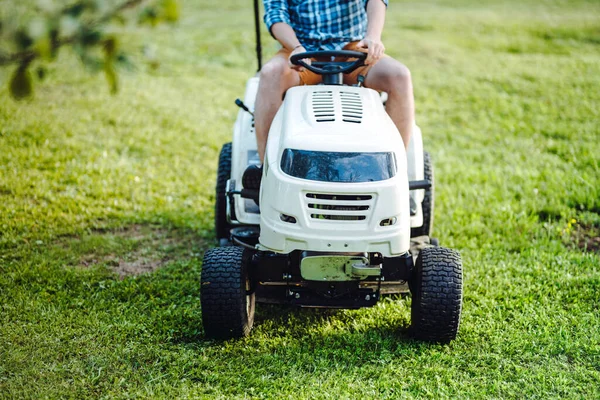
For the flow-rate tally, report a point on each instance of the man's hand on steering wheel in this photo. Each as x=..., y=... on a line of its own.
x=374, y=49
x=298, y=49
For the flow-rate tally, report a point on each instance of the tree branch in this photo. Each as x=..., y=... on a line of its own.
x=27, y=56
x=122, y=7
x=19, y=57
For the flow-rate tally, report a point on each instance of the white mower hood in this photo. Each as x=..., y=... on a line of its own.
x=333, y=118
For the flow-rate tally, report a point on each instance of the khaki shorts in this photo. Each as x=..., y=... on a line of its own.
x=310, y=78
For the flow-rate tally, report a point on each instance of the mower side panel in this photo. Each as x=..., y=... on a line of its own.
x=244, y=152
x=415, y=168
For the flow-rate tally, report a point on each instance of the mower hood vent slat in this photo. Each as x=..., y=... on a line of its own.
x=328, y=106
x=339, y=207
x=352, y=108
x=323, y=106
x=342, y=197
x=339, y=217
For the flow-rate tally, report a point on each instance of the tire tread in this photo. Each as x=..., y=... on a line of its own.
x=437, y=295
x=223, y=295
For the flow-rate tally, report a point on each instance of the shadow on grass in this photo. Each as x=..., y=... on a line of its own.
x=351, y=336
x=315, y=340
x=303, y=322
x=160, y=301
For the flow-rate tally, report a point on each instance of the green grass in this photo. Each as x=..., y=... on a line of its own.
x=508, y=97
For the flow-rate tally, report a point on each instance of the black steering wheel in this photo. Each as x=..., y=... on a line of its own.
x=330, y=67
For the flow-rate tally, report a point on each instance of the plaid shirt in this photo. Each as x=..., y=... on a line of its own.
x=321, y=24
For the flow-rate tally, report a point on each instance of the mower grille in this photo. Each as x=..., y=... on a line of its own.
x=327, y=106
x=351, y=197
x=352, y=108
x=339, y=217
x=339, y=207
x=323, y=108
x=335, y=207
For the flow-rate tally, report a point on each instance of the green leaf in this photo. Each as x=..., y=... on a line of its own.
x=94, y=64
x=111, y=76
x=75, y=10
x=55, y=45
x=41, y=73
x=120, y=19
x=44, y=48
x=124, y=61
x=171, y=10
x=90, y=37
x=148, y=16
x=110, y=47
x=23, y=40
x=21, y=85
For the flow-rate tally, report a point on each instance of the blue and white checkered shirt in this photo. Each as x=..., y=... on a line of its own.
x=321, y=24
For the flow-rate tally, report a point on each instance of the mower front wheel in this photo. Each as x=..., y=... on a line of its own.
x=436, y=289
x=226, y=293
x=222, y=227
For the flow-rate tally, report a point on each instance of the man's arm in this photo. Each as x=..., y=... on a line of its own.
x=372, y=41
x=277, y=19
x=278, y=22
x=288, y=39
x=285, y=35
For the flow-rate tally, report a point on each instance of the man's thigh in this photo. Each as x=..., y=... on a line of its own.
x=294, y=77
x=379, y=75
x=387, y=72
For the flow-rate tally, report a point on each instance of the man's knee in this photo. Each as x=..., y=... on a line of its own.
x=274, y=70
x=397, y=77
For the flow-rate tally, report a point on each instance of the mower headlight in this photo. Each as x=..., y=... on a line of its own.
x=287, y=218
x=388, y=221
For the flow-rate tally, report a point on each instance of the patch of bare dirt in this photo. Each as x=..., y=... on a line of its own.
x=587, y=238
x=138, y=249
x=132, y=264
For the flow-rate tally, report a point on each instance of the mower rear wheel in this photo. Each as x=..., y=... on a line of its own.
x=427, y=205
x=226, y=293
x=222, y=227
x=436, y=288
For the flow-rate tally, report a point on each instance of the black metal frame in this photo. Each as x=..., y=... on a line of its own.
x=277, y=280
x=257, y=31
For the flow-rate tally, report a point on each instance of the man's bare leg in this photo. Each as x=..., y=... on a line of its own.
x=275, y=78
x=391, y=76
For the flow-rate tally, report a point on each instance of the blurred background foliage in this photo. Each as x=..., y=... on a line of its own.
x=32, y=34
